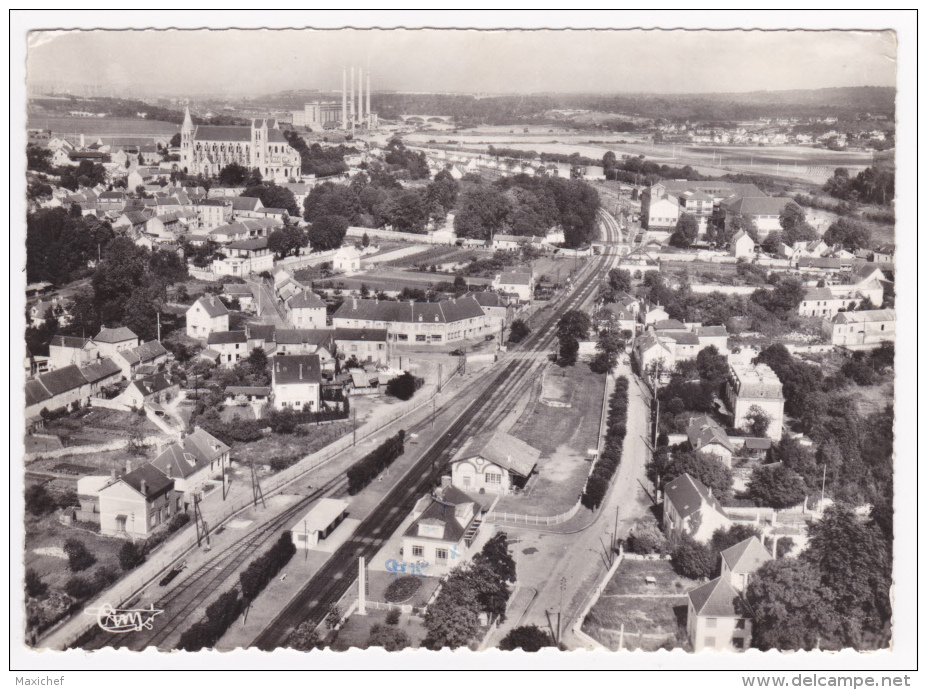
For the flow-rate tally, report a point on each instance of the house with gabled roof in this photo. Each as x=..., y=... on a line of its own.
x=690, y=508
x=743, y=559
x=365, y=344
x=100, y=374
x=240, y=291
x=518, y=283
x=136, y=504
x=297, y=382
x=495, y=462
x=719, y=618
x=708, y=439
x=858, y=330
x=207, y=315
x=64, y=350
x=742, y=245
x=444, y=527
x=232, y=346
x=111, y=341
x=306, y=310
x=150, y=354
x=156, y=388
x=192, y=461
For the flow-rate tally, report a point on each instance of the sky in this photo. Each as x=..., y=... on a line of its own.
x=243, y=62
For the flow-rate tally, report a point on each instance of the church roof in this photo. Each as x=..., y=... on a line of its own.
x=223, y=134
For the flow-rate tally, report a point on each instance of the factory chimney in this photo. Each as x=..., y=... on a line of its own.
x=352, y=100
x=369, y=119
x=344, y=98
x=360, y=95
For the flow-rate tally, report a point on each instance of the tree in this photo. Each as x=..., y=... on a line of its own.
x=441, y=195
x=724, y=539
x=391, y=638
x=745, y=223
x=305, y=638
x=771, y=243
x=686, y=231
x=852, y=557
x=782, y=299
x=329, y=199
x=287, y=240
x=328, y=232
x=712, y=365
x=693, y=559
x=257, y=360
x=791, y=608
x=39, y=500
x=518, y=331
x=482, y=212
x=234, y=175
x=79, y=558
x=131, y=556
x=757, y=421
x=34, y=585
x=664, y=468
x=791, y=217
x=777, y=486
x=272, y=196
x=452, y=619
x=402, y=387
x=850, y=234
x=495, y=553
x=365, y=240
x=528, y=638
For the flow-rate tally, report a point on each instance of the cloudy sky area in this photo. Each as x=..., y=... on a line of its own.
x=261, y=61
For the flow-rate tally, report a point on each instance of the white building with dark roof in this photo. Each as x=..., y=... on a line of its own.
x=296, y=382
x=690, y=508
x=718, y=618
x=708, y=439
x=232, y=346
x=518, y=283
x=445, y=525
x=306, y=310
x=743, y=559
x=428, y=323
x=111, y=341
x=755, y=385
x=858, y=330
x=207, y=315
x=192, y=461
x=495, y=462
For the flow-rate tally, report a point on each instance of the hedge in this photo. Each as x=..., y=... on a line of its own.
x=227, y=608
x=365, y=470
x=610, y=458
x=263, y=569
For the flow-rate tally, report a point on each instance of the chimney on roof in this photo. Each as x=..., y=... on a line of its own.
x=355, y=303
x=170, y=468
x=144, y=488
x=128, y=466
x=300, y=371
x=112, y=475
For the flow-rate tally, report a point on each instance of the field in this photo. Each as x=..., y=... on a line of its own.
x=563, y=435
x=101, y=126
x=796, y=162
x=98, y=425
x=296, y=445
x=395, y=280
x=433, y=255
x=652, y=614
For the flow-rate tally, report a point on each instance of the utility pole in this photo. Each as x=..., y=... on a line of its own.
x=354, y=415
x=159, y=326
x=560, y=612
x=256, y=487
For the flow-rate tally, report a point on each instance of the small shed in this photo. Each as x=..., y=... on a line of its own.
x=319, y=522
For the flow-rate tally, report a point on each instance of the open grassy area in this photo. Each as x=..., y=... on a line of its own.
x=94, y=425
x=652, y=614
x=563, y=435
x=356, y=630
x=298, y=445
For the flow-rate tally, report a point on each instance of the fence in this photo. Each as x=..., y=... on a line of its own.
x=448, y=238
x=596, y=593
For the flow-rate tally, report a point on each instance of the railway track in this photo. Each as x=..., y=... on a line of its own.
x=180, y=604
x=330, y=583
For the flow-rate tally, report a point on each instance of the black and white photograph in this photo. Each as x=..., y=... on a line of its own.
x=504, y=342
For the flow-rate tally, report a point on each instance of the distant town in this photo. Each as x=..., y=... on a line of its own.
x=362, y=368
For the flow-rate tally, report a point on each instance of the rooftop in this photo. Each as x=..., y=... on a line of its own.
x=746, y=556
x=688, y=495
x=718, y=599
x=501, y=449
x=290, y=369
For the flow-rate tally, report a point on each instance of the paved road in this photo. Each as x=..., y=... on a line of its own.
x=268, y=308
x=565, y=567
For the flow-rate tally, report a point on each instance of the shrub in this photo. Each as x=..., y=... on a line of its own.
x=177, y=522
x=609, y=460
x=528, y=638
x=79, y=558
x=692, y=559
x=646, y=538
x=391, y=638
x=361, y=473
x=518, y=331
x=39, y=500
x=392, y=617
x=34, y=585
x=219, y=617
x=402, y=589
x=305, y=638
x=403, y=387
x=79, y=588
x=131, y=556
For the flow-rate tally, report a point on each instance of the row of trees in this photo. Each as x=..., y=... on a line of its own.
x=229, y=606
x=607, y=463
x=377, y=199
x=874, y=185
x=365, y=470
x=526, y=205
x=482, y=586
